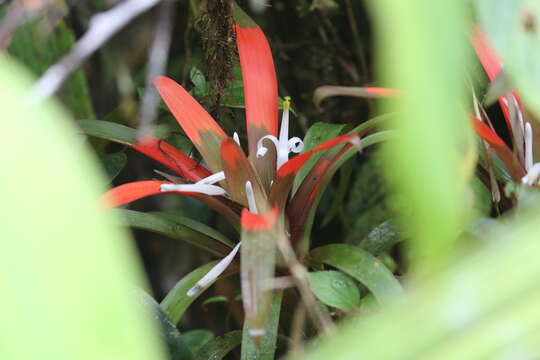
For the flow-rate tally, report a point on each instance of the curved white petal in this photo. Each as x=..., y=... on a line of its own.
x=217, y=270
x=194, y=188
x=296, y=145
x=212, y=179
x=261, y=149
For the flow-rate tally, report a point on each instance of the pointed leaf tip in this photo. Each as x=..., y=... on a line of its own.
x=263, y=221
x=198, y=125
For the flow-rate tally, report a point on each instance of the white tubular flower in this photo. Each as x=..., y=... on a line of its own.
x=283, y=145
x=214, y=273
x=204, y=186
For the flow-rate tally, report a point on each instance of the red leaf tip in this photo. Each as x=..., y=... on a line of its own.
x=262, y=221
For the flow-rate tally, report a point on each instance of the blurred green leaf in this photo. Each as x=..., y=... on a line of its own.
x=364, y=267
x=485, y=306
x=424, y=164
x=196, y=339
x=180, y=228
x=68, y=270
x=512, y=28
x=113, y=164
x=335, y=289
x=219, y=347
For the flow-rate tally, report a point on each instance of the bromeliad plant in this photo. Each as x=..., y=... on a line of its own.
x=252, y=192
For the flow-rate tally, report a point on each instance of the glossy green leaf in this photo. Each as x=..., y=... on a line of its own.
x=177, y=301
x=113, y=164
x=267, y=349
x=219, y=347
x=335, y=289
x=364, y=267
x=196, y=339
x=180, y=228
x=66, y=267
x=345, y=177
x=178, y=349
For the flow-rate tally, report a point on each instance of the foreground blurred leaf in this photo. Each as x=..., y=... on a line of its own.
x=364, y=267
x=335, y=289
x=219, y=347
x=512, y=27
x=41, y=43
x=425, y=162
x=65, y=265
x=181, y=228
x=486, y=306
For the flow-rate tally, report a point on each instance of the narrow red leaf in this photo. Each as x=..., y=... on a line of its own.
x=486, y=132
x=293, y=165
x=285, y=177
x=198, y=125
x=503, y=151
x=130, y=192
x=264, y=221
x=382, y=92
x=172, y=158
x=260, y=93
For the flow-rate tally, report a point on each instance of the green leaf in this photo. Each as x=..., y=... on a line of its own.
x=216, y=299
x=176, y=302
x=199, y=80
x=268, y=346
x=67, y=268
x=364, y=267
x=196, y=339
x=219, y=347
x=316, y=134
x=113, y=164
x=109, y=131
x=511, y=26
x=335, y=289
x=178, y=349
x=345, y=177
x=180, y=228
x=425, y=163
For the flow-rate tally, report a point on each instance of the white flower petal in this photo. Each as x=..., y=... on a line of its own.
x=195, y=188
